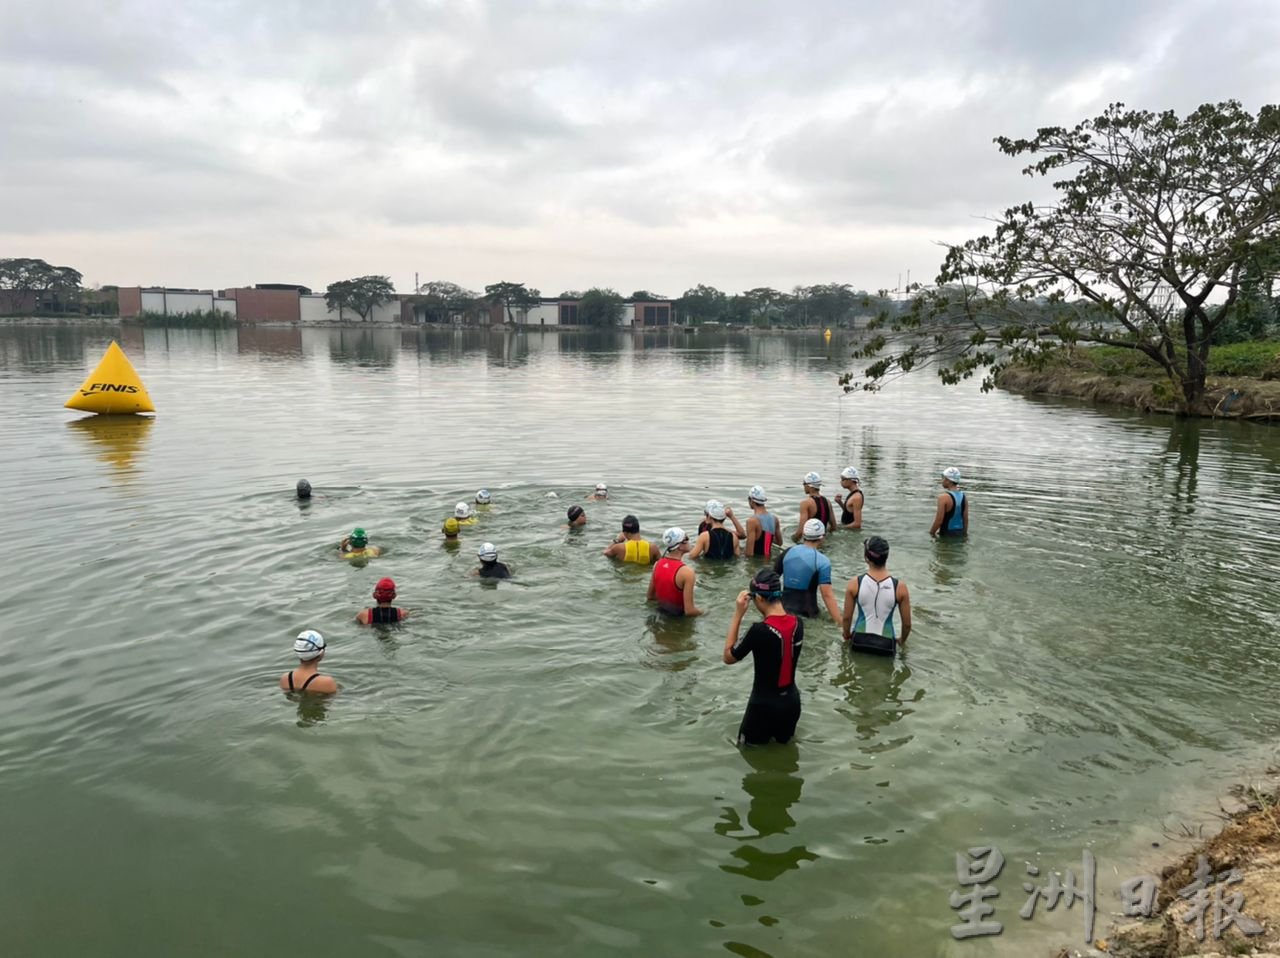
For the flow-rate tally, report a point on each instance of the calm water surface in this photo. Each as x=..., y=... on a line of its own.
x=543, y=767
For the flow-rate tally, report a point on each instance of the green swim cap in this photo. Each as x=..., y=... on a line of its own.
x=358, y=537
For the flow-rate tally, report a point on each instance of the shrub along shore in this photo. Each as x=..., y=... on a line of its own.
x=1243, y=383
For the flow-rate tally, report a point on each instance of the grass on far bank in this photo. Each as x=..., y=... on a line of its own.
x=1254, y=360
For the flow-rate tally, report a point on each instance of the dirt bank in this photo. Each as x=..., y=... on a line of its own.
x=1228, y=398
x=1250, y=844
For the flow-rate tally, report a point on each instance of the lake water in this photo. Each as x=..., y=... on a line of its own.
x=543, y=767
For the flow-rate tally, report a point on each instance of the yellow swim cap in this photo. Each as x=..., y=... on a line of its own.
x=450, y=527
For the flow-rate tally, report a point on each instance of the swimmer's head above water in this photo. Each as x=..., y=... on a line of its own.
x=487, y=553
x=766, y=584
x=358, y=538
x=308, y=646
x=875, y=550
x=812, y=481
x=757, y=496
x=304, y=489
x=675, y=538
x=450, y=528
x=462, y=511
x=715, y=510
x=384, y=591
x=951, y=475
x=630, y=525
x=815, y=530
x=483, y=498
x=577, y=516
x=602, y=490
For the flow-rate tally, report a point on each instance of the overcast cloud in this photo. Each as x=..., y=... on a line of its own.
x=563, y=143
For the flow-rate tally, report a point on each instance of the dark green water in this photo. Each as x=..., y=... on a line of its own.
x=543, y=768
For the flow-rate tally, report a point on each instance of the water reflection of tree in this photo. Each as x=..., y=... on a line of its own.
x=873, y=689
x=43, y=349
x=773, y=786
x=363, y=347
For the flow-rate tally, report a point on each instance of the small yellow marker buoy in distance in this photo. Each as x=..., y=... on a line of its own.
x=827, y=335
x=112, y=388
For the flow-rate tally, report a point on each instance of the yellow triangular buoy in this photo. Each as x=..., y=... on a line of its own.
x=112, y=388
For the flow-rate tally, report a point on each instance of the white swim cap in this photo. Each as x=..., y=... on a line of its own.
x=952, y=473
x=309, y=645
x=462, y=510
x=812, y=479
x=814, y=529
x=757, y=494
x=849, y=473
x=602, y=488
x=715, y=509
x=488, y=552
x=483, y=497
x=673, y=537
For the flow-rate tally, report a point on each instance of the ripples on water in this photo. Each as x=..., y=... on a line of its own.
x=546, y=765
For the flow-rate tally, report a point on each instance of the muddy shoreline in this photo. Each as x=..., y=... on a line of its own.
x=1225, y=398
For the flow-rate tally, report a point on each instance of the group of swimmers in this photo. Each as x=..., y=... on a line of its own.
x=783, y=593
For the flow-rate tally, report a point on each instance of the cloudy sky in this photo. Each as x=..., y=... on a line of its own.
x=563, y=143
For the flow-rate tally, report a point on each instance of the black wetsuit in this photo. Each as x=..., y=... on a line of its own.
x=721, y=545
x=774, y=706
x=385, y=615
x=847, y=517
x=494, y=570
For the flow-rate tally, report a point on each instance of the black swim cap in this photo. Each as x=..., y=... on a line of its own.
x=574, y=512
x=766, y=584
x=876, y=549
x=630, y=524
x=304, y=489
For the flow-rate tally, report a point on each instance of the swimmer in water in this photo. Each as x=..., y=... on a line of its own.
x=715, y=541
x=874, y=596
x=851, y=504
x=601, y=493
x=450, y=530
x=673, y=582
x=490, y=567
x=764, y=530
x=774, y=644
x=465, y=515
x=952, y=515
x=304, y=489
x=309, y=648
x=806, y=574
x=577, y=517
x=630, y=546
x=384, y=613
x=483, y=499
x=358, y=543
x=814, y=506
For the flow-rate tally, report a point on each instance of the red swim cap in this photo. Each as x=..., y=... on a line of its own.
x=385, y=590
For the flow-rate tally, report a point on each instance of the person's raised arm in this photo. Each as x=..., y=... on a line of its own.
x=737, y=526
x=611, y=551
x=940, y=516
x=739, y=610
x=904, y=610
x=690, y=579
